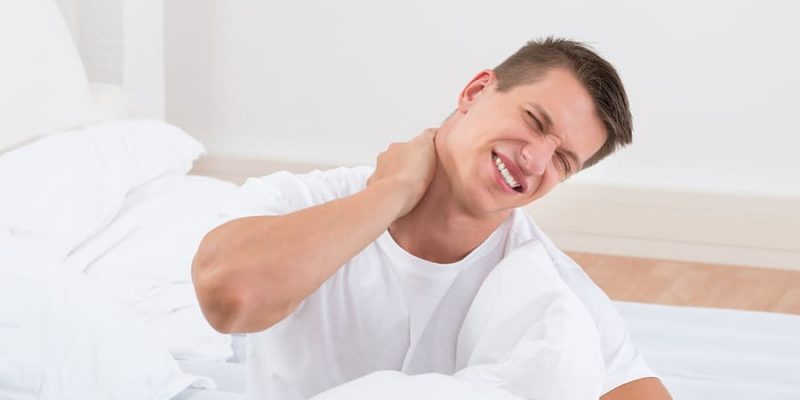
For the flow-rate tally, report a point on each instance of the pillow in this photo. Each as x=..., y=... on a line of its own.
x=526, y=335
x=44, y=86
x=61, y=189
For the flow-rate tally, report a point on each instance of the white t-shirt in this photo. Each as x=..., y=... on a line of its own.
x=370, y=313
x=423, y=283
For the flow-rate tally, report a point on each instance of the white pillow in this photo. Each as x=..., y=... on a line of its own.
x=63, y=188
x=526, y=335
x=44, y=86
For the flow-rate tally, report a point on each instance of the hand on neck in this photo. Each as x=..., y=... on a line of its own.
x=439, y=229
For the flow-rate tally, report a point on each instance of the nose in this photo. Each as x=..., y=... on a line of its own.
x=536, y=156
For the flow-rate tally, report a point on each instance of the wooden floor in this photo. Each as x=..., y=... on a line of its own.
x=684, y=283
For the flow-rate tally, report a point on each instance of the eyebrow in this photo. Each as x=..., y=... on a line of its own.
x=548, y=128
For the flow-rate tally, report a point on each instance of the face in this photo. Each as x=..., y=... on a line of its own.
x=502, y=150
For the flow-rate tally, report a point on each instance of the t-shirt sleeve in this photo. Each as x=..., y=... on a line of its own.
x=283, y=192
x=624, y=361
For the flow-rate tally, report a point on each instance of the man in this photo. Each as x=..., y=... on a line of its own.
x=337, y=256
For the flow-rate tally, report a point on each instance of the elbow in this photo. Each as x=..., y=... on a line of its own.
x=222, y=313
x=218, y=300
x=231, y=310
x=229, y=300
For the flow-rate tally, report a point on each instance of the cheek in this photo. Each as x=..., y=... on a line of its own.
x=456, y=145
x=451, y=153
x=550, y=179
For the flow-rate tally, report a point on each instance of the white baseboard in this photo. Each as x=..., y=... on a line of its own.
x=685, y=226
x=629, y=221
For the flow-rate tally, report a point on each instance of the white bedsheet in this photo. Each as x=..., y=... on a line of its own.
x=709, y=354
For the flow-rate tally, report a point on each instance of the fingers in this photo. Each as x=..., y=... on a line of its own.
x=409, y=165
x=430, y=133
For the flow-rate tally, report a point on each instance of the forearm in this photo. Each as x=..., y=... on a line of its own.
x=640, y=389
x=252, y=272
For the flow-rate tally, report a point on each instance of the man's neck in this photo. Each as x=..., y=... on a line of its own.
x=439, y=229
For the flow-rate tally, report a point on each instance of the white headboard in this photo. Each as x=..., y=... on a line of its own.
x=44, y=86
x=52, y=49
x=121, y=43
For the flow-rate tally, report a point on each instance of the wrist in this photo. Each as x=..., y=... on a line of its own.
x=395, y=197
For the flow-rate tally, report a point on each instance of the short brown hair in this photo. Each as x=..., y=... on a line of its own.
x=597, y=75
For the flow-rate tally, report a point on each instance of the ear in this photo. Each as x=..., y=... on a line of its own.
x=475, y=87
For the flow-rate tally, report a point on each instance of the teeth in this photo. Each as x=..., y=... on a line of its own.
x=504, y=172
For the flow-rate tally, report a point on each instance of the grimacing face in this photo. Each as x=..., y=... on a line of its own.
x=540, y=133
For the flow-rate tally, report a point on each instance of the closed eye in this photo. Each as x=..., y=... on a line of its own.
x=566, y=167
x=537, y=122
x=540, y=127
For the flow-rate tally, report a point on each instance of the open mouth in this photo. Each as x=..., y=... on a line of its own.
x=505, y=174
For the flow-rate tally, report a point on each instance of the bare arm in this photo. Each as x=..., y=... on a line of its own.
x=252, y=272
x=640, y=389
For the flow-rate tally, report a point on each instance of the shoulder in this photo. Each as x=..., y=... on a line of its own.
x=283, y=192
x=337, y=182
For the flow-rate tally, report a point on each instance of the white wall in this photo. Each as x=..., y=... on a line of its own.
x=714, y=85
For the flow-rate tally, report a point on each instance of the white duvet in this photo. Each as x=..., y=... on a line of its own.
x=143, y=259
x=525, y=336
x=79, y=320
x=61, y=339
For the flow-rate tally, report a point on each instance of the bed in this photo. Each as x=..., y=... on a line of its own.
x=99, y=221
x=144, y=252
